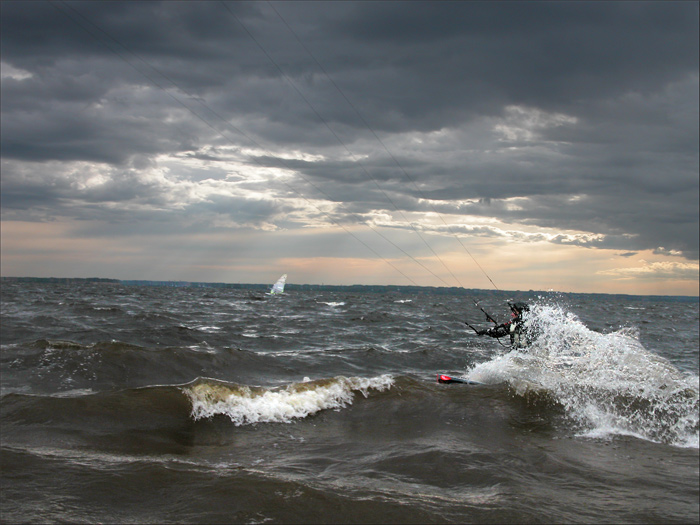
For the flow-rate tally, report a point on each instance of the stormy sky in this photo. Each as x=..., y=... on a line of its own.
x=523, y=145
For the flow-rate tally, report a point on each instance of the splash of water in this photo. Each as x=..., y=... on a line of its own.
x=609, y=384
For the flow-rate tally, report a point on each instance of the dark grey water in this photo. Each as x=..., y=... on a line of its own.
x=155, y=404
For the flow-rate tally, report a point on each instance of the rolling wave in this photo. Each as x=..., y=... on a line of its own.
x=246, y=405
x=162, y=406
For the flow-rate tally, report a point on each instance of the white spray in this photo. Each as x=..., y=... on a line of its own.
x=608, y=383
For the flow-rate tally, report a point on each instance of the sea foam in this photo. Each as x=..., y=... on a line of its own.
x=246, y=405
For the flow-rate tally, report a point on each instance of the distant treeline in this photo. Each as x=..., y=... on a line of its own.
x=357, y=288
x=65, y=280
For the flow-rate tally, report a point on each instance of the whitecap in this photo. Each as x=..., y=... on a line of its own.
x=246, y=405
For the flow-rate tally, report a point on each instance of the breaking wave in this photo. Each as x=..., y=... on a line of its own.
x=609, y=384
x=246, y=405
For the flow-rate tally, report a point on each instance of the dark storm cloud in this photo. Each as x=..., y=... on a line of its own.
x=474, y=56
x=113, y=82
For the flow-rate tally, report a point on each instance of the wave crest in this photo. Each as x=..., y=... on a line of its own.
x=246, y=405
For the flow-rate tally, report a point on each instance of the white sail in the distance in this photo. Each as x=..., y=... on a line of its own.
x=278, y=287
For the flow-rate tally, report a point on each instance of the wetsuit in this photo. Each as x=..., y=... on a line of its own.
x=515, y=328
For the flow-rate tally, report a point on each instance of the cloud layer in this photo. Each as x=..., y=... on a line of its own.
x=566, y=123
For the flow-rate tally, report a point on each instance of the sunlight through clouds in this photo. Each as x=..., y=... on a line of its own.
x=525, y=124
x=197, y=134
x=664, y=270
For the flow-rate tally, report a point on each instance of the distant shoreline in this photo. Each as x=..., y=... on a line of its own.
x=358, y=288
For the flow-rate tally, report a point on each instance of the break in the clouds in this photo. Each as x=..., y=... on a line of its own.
x=557, y=123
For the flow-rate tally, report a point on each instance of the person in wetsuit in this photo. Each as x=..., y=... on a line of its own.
x=515, y=328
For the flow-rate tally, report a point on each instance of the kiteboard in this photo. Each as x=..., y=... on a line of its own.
x=442, y=378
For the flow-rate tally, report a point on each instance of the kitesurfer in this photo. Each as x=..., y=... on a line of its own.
x=515, y=328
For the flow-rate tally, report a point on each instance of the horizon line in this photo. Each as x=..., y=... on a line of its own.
x=184, y=283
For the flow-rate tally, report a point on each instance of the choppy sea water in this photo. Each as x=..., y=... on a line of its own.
x=155, y=404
